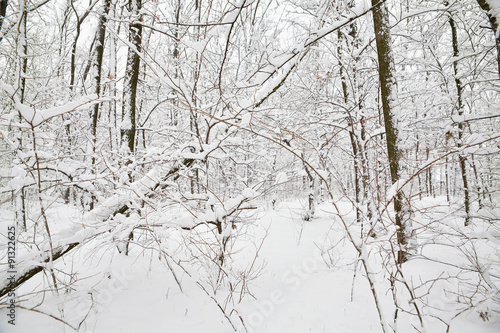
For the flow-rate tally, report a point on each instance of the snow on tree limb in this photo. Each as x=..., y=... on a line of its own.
x=37, y=117
x=283, y=65
x=281, y=61
x=492, y=9
x=37, y=268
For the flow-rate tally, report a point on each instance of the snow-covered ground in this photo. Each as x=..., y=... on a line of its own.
x=303, y=277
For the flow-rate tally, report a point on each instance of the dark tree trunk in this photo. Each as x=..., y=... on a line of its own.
x=21, y=204
x=388, y=91
x=129, y=107
x=3, y=11
x=100, y=37
x=458, y=83
x=99, y=54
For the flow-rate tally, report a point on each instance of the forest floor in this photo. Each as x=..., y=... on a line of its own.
x=309, y=280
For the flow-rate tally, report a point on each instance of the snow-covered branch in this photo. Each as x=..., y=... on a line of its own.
x=37, y=117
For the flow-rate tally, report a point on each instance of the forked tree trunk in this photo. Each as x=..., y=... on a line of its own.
x=356, y=136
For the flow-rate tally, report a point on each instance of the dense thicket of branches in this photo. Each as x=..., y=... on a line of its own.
x=186, y=114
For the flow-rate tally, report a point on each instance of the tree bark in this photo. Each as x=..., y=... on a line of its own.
x=21, y=198
x=352, y=135
x=100, y=37
x=3, y=12
x=388, y=91
x=458, y=83
x=129, y=107
x=97, y=63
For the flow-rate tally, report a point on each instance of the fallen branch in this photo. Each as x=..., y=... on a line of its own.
x=58, y=253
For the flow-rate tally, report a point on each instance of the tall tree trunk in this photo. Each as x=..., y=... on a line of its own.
x=352, y=135
x=356, y=136
x=114, y=134
x=20, y=200
x=129, y=106
x=129, y=101
x=388, y=91
x=72, y=79
x=461, y=158
x=99, y=55
x=97, y=63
